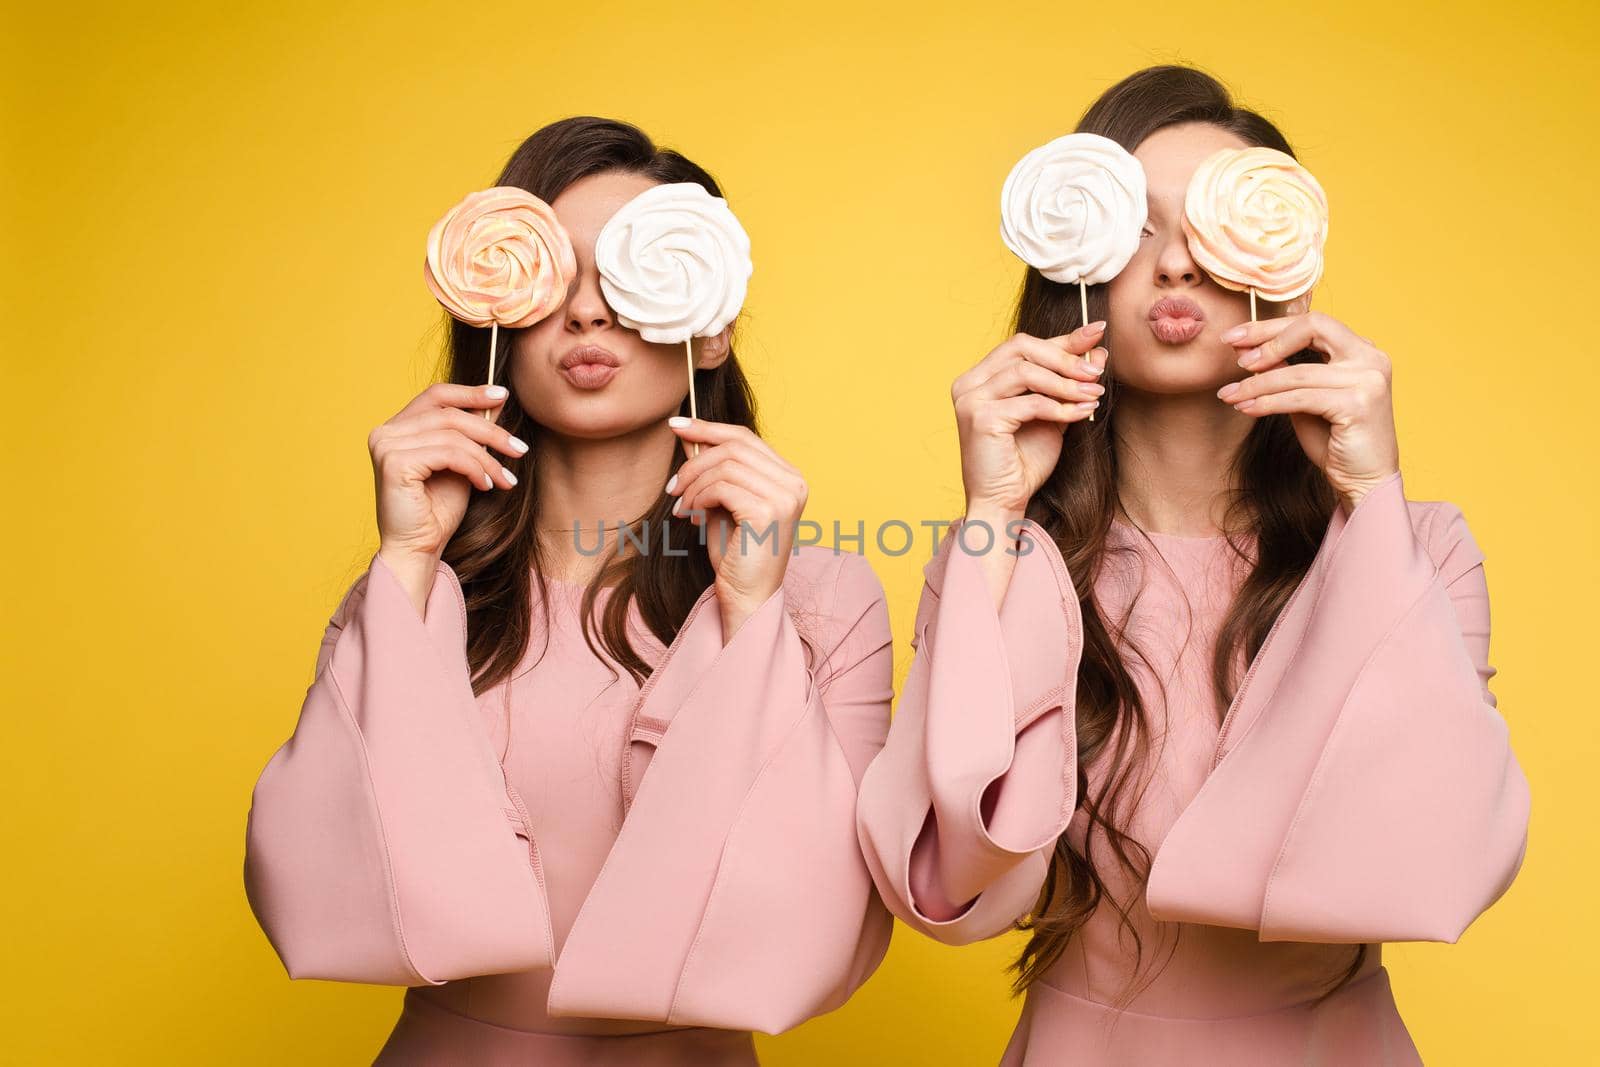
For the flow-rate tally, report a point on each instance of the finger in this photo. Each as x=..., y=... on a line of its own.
x=1024, y=377
x=1327, y=403
x=1007, y=416
x=733, y=472
x=748, y=442
x=452, y=394
x=448, y=438
x=768, y=464
x=737, y=501
x=479, y=429
x=1085, y=368
x=1311, y=330
x=446, y=455
x=729, y=436
x=707, y=431
x=1076, y=343
x=759, y=455
x=1295, y=375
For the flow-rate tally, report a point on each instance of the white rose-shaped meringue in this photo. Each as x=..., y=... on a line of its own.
x=674, y=263
x=1073, y=208
x=1256, y=219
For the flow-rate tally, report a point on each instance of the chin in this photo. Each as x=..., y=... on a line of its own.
x=595, y=425
x=1175, y=370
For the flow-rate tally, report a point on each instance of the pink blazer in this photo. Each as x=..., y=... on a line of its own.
x=1363, y=789
x=384, y=844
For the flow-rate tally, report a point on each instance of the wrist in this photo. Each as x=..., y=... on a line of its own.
x=996, y=515
x=736, y=608
x=402, y=561
x=1003, y=525
x=415, y=572
x=1352, y=495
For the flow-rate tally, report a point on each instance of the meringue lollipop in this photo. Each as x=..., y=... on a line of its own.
x=499, y=258
x=1073, y=208
x=1257, y=220
x=674, y=264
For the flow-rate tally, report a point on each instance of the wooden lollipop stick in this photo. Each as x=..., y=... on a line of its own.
x=688, y=348
x=494, y=336
x=1083, y=303
x=1252, y=303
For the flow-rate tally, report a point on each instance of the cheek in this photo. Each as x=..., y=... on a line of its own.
x=663, y=369
x=534, y=347
x=1235, y=306
x=1123, y=295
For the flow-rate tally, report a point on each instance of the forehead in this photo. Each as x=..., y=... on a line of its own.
x=587, y=204
x=1171, y=154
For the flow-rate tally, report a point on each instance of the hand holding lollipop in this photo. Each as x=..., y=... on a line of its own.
x=1073, y=209
x=499, y=258
x=674, y=264
x=1257, y=220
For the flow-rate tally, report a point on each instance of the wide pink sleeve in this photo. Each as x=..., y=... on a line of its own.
x=960, y=812
x=1365, y=789
x=735, y=895
x=381, y=846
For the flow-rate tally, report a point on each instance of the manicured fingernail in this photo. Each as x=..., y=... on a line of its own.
x=672, y=483
x=495, y=392
x=1228, y=390
x=677, y=506
x=519, y=444
x=1090, y=366
x=512, y=478
x=1235, y=334
x=1096, y=327
x=679, y=420
x=1088, y=405
x=1249, y=357
x=1094, y=388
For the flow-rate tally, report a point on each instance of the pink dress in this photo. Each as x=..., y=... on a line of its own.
x=1362, y=789
x=568, y=869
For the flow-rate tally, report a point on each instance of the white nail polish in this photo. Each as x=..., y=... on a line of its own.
x=671, y=482
x=679, y=420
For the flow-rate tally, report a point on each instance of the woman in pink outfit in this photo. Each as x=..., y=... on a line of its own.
x=588, y=814
x=1208, y=716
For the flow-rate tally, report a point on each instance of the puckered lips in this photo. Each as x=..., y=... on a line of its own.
x=589, y=366
x=1176, y=320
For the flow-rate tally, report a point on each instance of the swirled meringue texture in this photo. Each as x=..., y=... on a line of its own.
x=674, y=263
x=499, y=256
x=1256, y=219
x=1073, y=208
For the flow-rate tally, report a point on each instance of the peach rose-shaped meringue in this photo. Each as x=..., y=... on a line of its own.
x=674, y=263
x=1073, y=208
x=1256, y=219
x=499, y=256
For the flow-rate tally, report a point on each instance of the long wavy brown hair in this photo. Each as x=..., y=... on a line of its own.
x=1278, y=495
x=495, y=552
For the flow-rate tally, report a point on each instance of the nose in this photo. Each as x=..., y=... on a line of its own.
x=586, y=306
x=1175, y=267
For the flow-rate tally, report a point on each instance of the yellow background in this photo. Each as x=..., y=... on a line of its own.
x=214, y=223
